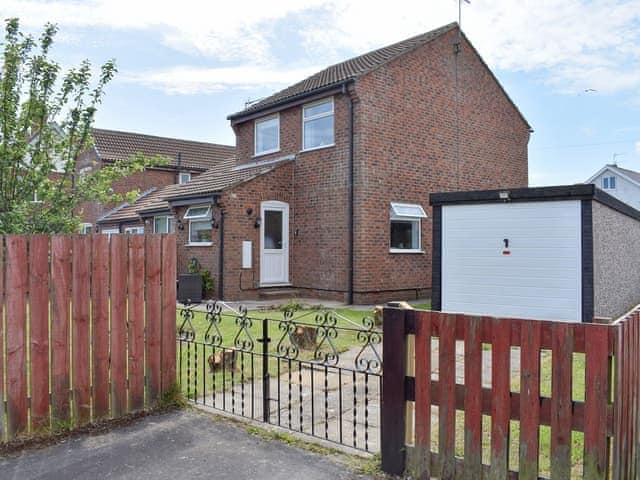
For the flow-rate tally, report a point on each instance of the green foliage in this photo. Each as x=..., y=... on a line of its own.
x=291, y=306
x=207, y=280
x=45, y=127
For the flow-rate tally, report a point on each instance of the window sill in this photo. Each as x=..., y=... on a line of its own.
x=199, y=244
x=405, y=250
x=317, y=148
x=262, y=154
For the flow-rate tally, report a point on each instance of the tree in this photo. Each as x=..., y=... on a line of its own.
x=45, y=125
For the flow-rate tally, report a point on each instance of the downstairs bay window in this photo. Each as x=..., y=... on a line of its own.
x=405, y=228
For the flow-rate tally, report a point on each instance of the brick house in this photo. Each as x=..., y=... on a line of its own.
x=328, y=195
x=187, y=159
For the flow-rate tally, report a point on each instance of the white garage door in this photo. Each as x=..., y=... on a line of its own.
x=539, y=277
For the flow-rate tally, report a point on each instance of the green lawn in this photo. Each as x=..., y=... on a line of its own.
x=197, y=379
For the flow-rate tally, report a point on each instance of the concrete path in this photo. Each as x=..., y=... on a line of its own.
x=185, y=444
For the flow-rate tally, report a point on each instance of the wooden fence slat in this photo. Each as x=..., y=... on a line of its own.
x=81, y=262
x=530, y=399
x=501, y=405
x=447, y=409
x=60, y=313
x=153, y=316
x=168, y=312
x=423, y=396
x=596, y=399
x=635, y=382
x=2, y=335
x=561, y=386
x=39, y=329
x=16, y=320
x=118, y=325
x=618, y=404
x=392, y=420
x=473, y=398
x=100, y=325
x=136, y=322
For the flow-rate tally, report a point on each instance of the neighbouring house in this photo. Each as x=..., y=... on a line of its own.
x=187, y=160
x=328, y=195
x=622, y=183
x=566, y=253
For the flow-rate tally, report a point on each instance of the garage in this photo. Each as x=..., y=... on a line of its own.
x=555, y=253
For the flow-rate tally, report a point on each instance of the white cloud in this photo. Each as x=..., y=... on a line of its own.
x=188, y=80
x=571, y=45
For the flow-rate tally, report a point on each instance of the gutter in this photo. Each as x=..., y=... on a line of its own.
x=299, y=98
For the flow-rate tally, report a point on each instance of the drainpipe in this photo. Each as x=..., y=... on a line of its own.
x=345, y=91
x=220, y=253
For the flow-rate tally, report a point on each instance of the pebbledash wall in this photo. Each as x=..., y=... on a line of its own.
x=405, y=147
x=616, y=263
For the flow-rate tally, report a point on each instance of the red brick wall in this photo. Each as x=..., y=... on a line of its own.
x=239, y=226
x=318, y=211
x=406, y=149
x=141, y=181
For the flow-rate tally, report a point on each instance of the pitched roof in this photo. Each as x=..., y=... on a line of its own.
x=349, y=69
x=629, y=173
x=625, y=172
x=126, y=211
x=222, y=177
x=112, y=145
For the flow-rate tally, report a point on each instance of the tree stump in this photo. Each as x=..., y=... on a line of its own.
x=305, y=337
x=222, y=359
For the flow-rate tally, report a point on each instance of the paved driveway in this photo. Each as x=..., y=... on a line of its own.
x=184, y=444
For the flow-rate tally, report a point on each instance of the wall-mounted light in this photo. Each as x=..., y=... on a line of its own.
x=258, y=222
x=179, y=224
x=249, y=211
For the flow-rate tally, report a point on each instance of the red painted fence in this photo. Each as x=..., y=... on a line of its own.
x=594, y=389
x=89, y=328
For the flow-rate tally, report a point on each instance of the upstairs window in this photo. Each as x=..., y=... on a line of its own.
x=163, y=224
x=184, y=177
x=267, y=135
x=608, y=183
x=405, y=227
x=317, y=125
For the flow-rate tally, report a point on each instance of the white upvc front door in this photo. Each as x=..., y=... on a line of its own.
x=274, y=243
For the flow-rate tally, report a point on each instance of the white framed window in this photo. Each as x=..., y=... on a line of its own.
x=163, y=224
x=197, y=212
x=184, y=177
x=267, y=135
x=86, y=228
x=405, y=234
x=608, y=183
x=110, y=231
x=134, y=230
x=199, y=217
x=317, y=125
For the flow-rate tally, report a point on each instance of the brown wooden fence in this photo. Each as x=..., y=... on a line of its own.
x=492, y=427
x=87, y=328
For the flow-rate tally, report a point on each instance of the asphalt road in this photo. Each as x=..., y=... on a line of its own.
x=176, y=445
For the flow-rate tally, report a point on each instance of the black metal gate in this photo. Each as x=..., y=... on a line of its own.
x=313, y=371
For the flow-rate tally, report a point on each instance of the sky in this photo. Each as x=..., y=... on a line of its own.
x=571, y=66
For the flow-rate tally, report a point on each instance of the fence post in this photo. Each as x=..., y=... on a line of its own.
x=392, y=425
